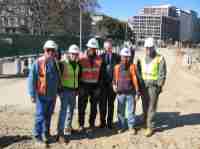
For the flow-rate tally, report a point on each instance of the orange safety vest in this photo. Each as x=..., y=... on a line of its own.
x=132, y=76
x=90, y=73
x=41, y=81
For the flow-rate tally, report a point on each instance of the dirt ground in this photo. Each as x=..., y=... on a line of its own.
x=177, y=127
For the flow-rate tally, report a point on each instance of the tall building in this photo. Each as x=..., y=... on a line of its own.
x=23, y=16
x=189, y=25
x=163, y=10
x=159, y=22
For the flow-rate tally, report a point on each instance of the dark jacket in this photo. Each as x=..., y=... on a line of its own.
x=108, y=67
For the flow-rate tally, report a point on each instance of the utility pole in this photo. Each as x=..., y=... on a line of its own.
x=80, y=33
x=126, y=31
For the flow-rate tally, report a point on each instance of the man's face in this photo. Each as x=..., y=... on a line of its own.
x=92, y=51
x=73, y=56
x=50, y=52
x=108, y=46
x=125, y=59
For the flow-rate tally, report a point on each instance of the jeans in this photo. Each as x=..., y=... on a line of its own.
x=125, y=110
x=44, y=110
x=68, y=102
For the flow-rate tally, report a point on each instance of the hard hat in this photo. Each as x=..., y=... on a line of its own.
x=107, y=44
x=149, y=42
x=125, y=52
x=93, y=43
x=73, y=49
x=50, y=44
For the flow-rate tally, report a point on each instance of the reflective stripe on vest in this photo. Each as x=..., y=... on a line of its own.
x=41, y=81
x=70, y=76
x=90, y=73
x=150, y=71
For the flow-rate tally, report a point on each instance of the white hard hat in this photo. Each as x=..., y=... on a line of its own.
x=125, y=52
x=93, y=43
x=73, y=49
x=107, y=44
x=149, y=42
x=50, y=44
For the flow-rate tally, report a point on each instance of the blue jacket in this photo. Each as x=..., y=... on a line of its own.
x=52, y=79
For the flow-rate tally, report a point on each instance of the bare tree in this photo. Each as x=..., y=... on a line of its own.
x=69, y=11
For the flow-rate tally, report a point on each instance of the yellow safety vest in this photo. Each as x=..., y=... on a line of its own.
x=150, y=71
x=70, y=76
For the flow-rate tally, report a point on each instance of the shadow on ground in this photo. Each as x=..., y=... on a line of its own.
x=8, y=140
x=171, y=120
x=11, y=76
x=93, y=134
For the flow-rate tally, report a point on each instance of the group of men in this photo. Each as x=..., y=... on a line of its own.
x=99, y=79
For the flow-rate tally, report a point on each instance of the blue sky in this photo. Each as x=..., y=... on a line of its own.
x=122, y=9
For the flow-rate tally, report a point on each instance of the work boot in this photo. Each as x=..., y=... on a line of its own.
x=121, y=130
x=148, y=132
x=38, y=142
x=62, y=140
x=37, y=139
x=91, y=128
x=81, y=129
x=68, y=131
x=46, y=138
x=132, y=131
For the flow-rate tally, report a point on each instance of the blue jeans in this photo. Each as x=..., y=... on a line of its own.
x=125, y=106
x=68, y=101
x=44, y=110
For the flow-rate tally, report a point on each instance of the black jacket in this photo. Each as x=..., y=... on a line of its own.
x=108, y=67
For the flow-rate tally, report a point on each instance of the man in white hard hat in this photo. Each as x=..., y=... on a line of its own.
x=125, y=84
x=110, y=59
x=152, y=74
x=43, y=83
x=90, y=84
x=69, y=80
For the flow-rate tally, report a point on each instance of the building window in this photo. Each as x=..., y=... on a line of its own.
x=3, y=21
x=22, y=21
x=23, y=10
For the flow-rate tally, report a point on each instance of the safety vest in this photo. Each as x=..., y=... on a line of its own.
x=125, y=79
x=41, y=85
x=90, y=72
x=150, y=71
x=70, y=76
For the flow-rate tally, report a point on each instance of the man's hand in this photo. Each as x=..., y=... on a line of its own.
x=137, y=96
x=114, y=88
x=159, y=89
x=33, y=100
